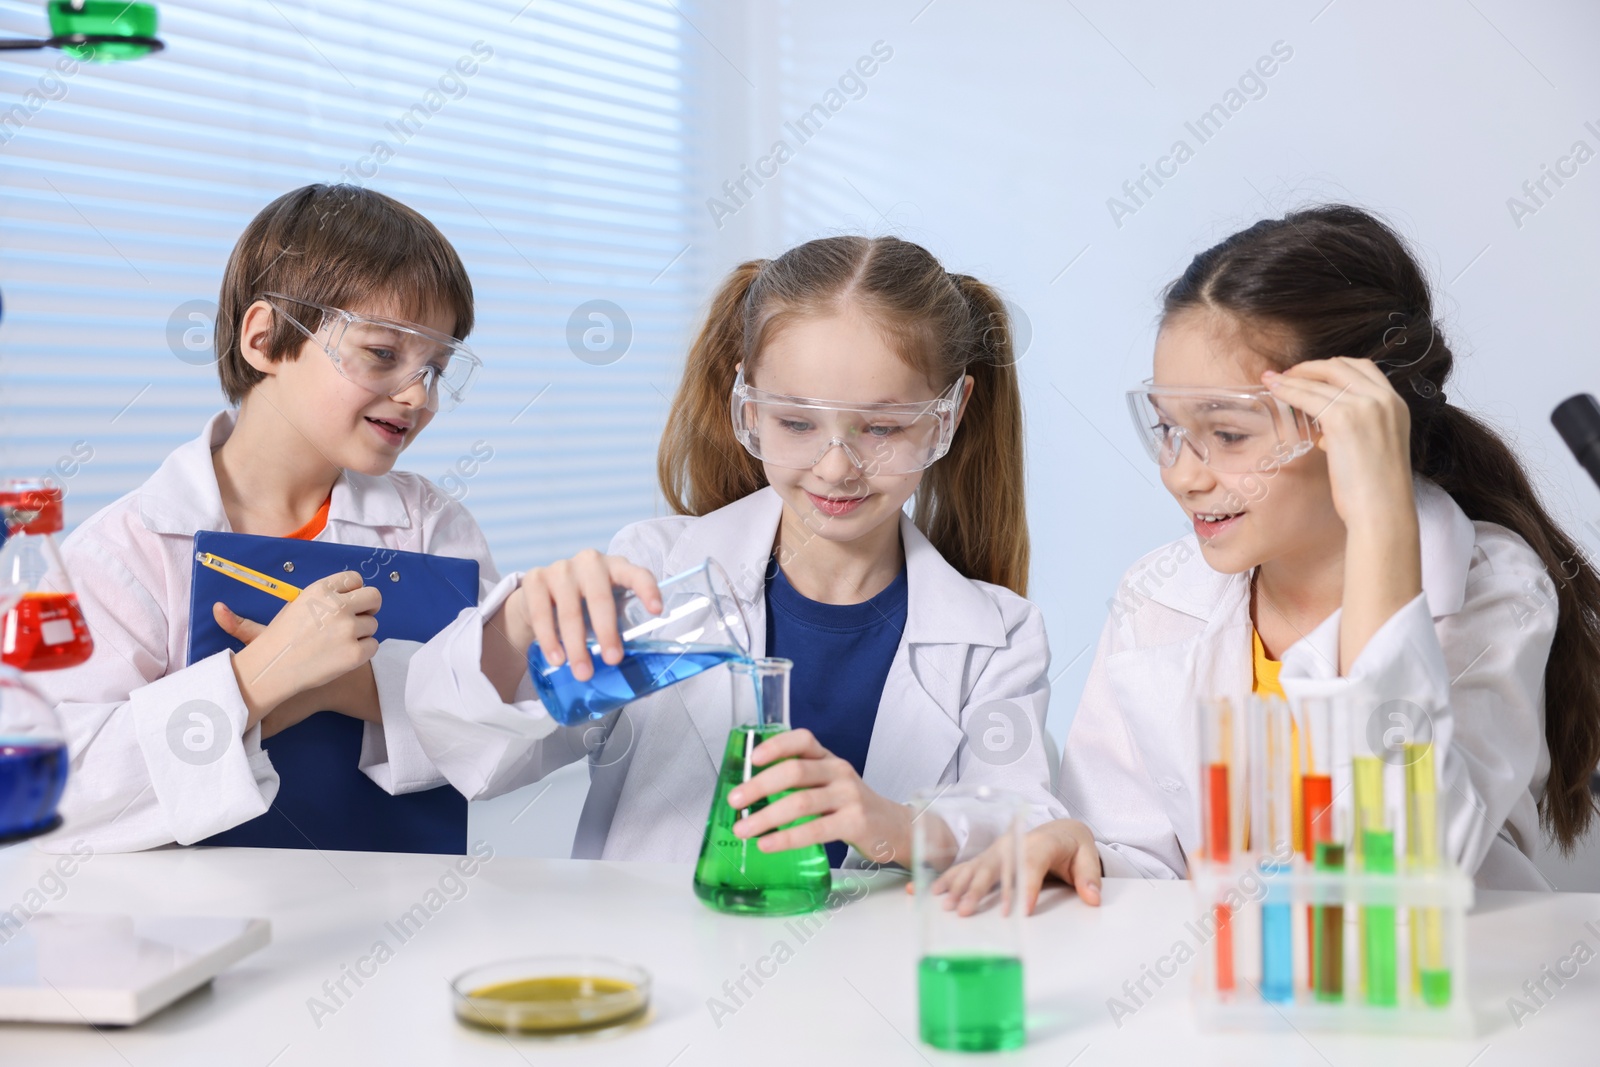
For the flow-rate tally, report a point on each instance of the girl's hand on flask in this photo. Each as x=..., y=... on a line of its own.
x=826, y=787
x=550, y=605
x=1062, y=847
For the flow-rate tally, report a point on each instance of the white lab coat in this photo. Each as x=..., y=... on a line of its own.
x=131, y=564
x=967, y=646
x=1469, y=651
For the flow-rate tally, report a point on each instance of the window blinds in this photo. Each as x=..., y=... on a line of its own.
x=552, y=145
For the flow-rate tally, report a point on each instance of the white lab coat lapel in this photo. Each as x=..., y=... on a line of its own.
x=182, y=496
x=918, y=732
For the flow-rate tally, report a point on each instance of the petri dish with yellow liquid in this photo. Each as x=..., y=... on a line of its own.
x=553, y=996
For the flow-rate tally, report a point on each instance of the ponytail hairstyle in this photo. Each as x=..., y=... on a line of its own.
x=970, y=503
x=1338, y=282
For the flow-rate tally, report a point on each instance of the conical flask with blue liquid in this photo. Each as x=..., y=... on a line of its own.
x=733, y=874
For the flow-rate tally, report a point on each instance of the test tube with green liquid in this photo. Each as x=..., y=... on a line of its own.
x=1430, y=970
x=1375, y=845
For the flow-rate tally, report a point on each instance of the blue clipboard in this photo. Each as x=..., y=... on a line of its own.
x=324, y=801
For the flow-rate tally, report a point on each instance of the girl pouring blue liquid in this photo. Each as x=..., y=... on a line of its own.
x=826, y=389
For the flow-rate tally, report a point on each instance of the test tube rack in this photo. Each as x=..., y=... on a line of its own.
x=1420, y=904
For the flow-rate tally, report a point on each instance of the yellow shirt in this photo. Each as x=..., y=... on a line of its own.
x=1264, y=674
x=1264, y=682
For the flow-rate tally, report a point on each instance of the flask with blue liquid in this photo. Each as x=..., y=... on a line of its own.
x=701, y=625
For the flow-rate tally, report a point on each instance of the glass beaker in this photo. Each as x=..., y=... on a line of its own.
x=733, y=874
x=33, y=758
x=701, y=625
x=44, y=630
x=969, y=969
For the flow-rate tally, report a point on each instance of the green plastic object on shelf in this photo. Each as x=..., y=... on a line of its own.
x=100, y=23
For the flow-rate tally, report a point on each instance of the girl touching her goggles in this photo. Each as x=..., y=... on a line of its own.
x=1356, y=536
x=827, y=388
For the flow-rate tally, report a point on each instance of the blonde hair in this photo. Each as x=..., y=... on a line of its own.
x=970, y=504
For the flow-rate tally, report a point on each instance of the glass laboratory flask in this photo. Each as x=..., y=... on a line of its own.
x=701, y=625
x=33, y=759
x=44, y=630
x=733, y=874
x=969, y=968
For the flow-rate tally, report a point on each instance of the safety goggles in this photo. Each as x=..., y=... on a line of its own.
x=796, y=432
x=1232, y=431
x=385, y=356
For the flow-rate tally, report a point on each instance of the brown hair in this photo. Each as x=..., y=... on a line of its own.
x=970, y=503
x=336, y=245
x=1340, y=282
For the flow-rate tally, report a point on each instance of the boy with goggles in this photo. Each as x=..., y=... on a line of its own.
x=385, y=356
x=338, y=337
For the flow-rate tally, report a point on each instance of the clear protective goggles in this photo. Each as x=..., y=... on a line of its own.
x=1229, y=430
x=385, y=356
x=796, y=432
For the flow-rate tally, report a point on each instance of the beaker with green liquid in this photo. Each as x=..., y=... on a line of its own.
x=969, y=969
x=733, y=874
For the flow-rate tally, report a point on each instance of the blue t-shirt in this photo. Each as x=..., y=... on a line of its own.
x=842, y=654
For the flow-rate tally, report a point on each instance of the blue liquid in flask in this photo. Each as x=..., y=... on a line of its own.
x=32, y=776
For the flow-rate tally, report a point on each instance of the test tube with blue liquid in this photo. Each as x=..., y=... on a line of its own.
x=701, y=625
x=1272, y=834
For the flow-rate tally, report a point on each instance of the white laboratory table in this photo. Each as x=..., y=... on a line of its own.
x=846, y=995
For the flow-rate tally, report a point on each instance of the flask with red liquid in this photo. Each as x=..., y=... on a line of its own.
x=33, y=748
x=44, y=630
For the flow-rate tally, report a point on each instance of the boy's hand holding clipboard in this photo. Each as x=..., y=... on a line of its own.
x=316, y=636
x=321, y=635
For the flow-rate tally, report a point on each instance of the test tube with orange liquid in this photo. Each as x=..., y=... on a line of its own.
x=1221, y=818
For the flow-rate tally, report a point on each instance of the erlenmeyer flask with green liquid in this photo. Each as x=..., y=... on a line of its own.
x=733, y=874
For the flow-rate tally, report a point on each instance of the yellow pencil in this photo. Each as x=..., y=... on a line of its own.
x=254, y=579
